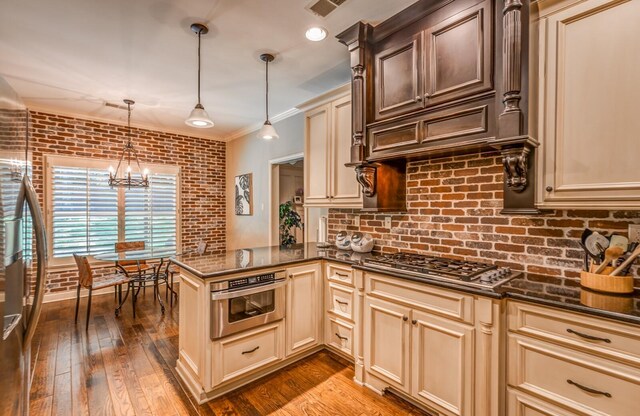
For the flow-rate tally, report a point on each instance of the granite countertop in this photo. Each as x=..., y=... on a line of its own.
x=560, y=292
x=234, y=261
x=566, y=293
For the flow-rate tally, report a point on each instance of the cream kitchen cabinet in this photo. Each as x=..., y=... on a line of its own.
x=341, y=306
x=440, y=348
x=304, y=307
x=588, y=86
x=387, y=338
x=586, y=365
x=328, y=182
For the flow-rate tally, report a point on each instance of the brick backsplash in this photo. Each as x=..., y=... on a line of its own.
x=453, y=210
x=202, y=164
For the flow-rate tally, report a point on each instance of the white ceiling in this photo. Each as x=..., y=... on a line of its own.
x=72, y=56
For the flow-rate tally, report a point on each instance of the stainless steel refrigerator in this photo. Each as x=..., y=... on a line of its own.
x=22, y=255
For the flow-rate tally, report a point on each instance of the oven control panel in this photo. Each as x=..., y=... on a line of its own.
x=255, y=280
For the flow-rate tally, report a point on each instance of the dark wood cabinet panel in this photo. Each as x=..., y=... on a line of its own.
x=449, y=130
x=396, y=135
x=456, y=124
x=398, y=78
x=458, y=55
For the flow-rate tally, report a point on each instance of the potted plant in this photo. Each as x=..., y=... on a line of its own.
x=289, y=219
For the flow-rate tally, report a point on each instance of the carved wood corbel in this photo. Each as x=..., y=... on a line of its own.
x=366, y=176
x=515, y=168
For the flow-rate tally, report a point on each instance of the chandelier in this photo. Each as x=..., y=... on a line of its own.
x=127, y=180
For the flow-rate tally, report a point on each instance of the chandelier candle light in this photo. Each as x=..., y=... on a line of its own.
x=267, y=132
x=199, y=117
x=127, y=180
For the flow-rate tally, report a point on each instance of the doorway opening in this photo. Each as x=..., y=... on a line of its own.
x=287, y=188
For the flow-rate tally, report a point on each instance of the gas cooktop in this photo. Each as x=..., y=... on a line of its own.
x=462, y=272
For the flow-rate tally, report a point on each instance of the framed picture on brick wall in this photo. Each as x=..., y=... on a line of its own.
x=244, y=194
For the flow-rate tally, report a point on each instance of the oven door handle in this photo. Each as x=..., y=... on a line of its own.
x=228, y=294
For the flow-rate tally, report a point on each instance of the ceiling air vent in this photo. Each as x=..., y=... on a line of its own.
x=324, y=7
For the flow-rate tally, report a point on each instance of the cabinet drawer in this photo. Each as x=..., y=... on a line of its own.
x=339, y=335
x=340, y=300
x=520, y=404
x=441, y=302
x=602, y=337
x=582, y=382
x=340, y=274
x=240, y=354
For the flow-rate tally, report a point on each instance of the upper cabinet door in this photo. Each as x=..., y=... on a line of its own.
x=458, y=55
x=589, y=86
x=316, y=163
x=398, y=78
x=344, y=186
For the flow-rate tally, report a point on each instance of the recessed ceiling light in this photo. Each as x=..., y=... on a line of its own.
x=316, y=33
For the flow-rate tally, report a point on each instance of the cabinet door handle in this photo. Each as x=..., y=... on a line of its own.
x=250, y=351
x=418, y=98
x=405, y=318
x=342, y=275
x=414, y=321
x=341, y=337
x=341, y=302
x=549, y=188
x=589, y=389
x=589, y=337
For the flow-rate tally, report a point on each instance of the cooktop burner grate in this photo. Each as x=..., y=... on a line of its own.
x=431, y=267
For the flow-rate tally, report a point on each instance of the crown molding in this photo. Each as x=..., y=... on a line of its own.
x=331, y=95
x=142, y=126
x=256, y=126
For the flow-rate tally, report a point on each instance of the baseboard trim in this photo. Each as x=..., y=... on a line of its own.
x=71, y=294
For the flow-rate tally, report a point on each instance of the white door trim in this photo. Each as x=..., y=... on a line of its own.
x=272, y=209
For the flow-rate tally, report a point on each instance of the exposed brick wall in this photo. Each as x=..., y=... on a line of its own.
x=453, y=210
x=202, y=164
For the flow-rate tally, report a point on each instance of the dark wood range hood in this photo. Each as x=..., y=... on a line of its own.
x=442, y=77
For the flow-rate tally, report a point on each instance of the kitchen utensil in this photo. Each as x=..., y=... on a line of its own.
x=619, y=241
x=588, y=253
x=627, y=262
x=594, y=239
x=610, y=256
x=586, y=233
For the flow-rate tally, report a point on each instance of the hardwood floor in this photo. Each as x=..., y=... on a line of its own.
x=124, y=366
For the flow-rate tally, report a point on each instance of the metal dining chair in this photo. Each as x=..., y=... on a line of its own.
x=87, y=280
x=169, y=272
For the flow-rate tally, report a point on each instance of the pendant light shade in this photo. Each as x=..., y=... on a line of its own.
x=267, y=132
x=199, y=117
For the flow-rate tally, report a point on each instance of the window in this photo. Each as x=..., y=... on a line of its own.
x=86, y=216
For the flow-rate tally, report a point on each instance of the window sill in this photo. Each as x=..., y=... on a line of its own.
x=63, y=266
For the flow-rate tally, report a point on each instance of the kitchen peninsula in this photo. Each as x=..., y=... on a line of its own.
x=300, y=300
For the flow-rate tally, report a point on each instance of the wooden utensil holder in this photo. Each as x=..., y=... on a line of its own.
x=605, y=283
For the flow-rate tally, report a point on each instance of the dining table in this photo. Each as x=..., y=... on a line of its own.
x=158, y=256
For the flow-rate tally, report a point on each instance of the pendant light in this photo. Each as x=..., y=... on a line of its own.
x=267, y=132
x=199, y=117
x=127, y=180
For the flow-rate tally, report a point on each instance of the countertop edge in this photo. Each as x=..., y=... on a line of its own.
x=499, y=293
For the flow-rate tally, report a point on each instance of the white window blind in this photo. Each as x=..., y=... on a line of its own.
x=150, y=215
x=88, y=217
x=85, y=211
